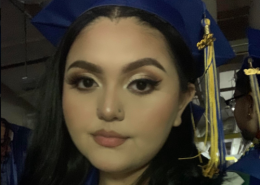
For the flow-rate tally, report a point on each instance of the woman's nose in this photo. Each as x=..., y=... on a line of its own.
x=110, y=108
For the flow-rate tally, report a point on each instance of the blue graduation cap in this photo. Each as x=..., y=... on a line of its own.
x=193, y=22
x=184, y=15
x=253, y=36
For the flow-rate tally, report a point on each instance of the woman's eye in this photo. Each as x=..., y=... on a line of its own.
x=82, y=83
x=143, y=86
x=86, y=83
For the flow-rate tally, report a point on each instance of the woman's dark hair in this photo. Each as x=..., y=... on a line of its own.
x=53, y=159
x=243, y=82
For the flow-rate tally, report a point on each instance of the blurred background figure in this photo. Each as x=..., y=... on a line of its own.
x=14, y=143
x=8, y=175
x=6, y=138
x=247, y=120
x=246, y=101
x=245, y=107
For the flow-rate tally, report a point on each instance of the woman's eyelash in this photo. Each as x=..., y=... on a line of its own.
x=140, y=86
x=152, y=84
x=74, y=80
x=149, y=81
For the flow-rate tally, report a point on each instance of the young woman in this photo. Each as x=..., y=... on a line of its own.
x=115, y=107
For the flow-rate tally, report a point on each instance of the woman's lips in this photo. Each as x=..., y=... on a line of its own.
x=109, y=139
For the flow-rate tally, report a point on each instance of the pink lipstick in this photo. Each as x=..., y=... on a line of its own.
x=109, y=139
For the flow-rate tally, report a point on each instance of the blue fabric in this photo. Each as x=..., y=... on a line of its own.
x=248, y=164
x=20, y=145
x=184, y=15
x=253, y=36
x=93, y=177
x=254, y=181
x=9, y=170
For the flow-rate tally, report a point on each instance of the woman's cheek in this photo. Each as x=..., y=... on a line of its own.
x=155, y=116
x=79, y=110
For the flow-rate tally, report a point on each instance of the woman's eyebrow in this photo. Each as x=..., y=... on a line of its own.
x=129, y=67
x=142, y=62
x=87, y=66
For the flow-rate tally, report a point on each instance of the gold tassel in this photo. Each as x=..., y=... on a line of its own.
x=211, y=87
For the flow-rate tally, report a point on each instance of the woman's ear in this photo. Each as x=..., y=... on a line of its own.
x=185, y=99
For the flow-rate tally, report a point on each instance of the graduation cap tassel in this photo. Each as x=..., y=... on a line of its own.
x=217, y=152
x=252, y=72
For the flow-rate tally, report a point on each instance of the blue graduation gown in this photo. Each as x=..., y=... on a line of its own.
x=93, y=177
x=249, y=164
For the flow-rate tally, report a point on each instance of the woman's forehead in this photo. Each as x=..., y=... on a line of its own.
x=119, y=41
x=129, y=23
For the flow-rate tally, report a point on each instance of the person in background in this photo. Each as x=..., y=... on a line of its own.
x=14, y=142
x=8, y=176
x=247, y=120
x=246, y=99
x=245, y=111
x=6, y=138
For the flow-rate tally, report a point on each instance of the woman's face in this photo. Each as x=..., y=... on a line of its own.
x=119, y=77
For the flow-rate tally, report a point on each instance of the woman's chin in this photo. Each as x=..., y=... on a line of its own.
x=110, y=161
x=110, y=167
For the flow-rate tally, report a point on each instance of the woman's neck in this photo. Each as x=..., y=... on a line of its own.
x=127, y=178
